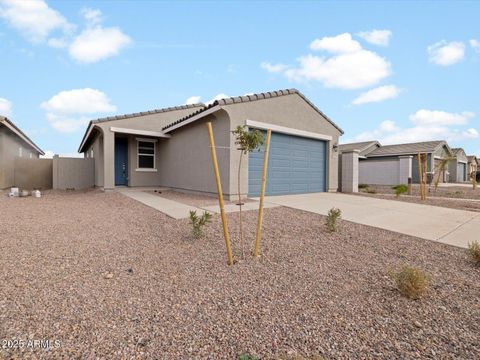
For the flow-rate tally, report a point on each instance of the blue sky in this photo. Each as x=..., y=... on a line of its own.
x=396, y=72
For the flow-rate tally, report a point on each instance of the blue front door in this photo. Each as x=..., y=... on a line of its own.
x=121, y=161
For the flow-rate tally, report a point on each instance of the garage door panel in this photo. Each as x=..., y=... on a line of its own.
x=296, y=165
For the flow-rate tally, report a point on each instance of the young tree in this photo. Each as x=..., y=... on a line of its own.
x=247, y=141
x=440, y=169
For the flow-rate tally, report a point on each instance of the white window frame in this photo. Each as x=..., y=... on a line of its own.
x=154, y=169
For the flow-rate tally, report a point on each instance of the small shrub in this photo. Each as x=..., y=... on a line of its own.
x=412, y=282
x=474, y=251
x=247, y=357
x=362, y=186
x=371, y=191
x=333, y=216
x=400, y=189
x=199, y=222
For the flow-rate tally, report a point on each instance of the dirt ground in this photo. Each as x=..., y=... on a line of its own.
x=454, y=192
x=111, y=278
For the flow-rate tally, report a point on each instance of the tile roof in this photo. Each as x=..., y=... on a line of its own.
x=252, y=97
x=149, y=112
x=455, y=151
x=20, y=133
x=407, y=149
x=361, y=146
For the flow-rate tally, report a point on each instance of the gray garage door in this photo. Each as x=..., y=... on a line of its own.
x=296, y=165
x=461, y=172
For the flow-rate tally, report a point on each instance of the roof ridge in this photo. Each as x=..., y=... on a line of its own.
x=253, y=97
x=148, y=112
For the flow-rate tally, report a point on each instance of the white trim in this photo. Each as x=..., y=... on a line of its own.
x=287, y=130
x=139, y=132
x=193, y=118
x=154, y=141
x=462, y=162
x=87, y=135
x=145, y=170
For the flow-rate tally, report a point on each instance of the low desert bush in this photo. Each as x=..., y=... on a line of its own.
x=474, y=251
x=371, y=191
x=199, y=222
x=400, y=189
x=362, y=186
x=411, y=281
x=333, y=216
x=247, y=357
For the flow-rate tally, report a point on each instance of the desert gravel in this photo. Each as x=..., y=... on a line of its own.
x=454, y=192
x=113, y=279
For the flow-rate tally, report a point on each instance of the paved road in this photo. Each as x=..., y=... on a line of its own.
x=449, y=226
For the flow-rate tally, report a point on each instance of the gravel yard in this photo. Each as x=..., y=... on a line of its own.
x=460, y=204
x=454, y=192
x=111, y=278
x=193, y=199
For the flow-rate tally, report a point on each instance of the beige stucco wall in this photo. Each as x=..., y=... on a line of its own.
x=33, y=173
x=9, y=150
x=73, y=173
x=184, y=159
x=288, y=111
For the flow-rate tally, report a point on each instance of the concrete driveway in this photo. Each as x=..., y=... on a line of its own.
x=449, y=226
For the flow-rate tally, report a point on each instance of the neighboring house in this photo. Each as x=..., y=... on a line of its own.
x=394, y=164
x=170, y=147
x=458, y=166
x=472, y=164
x=13, y=143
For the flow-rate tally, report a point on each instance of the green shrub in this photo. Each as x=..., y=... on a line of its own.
x=412, y=282
x=371, y=191
x=474, y=251
x=199, y=222
x=333, y=216
x=247, y=357
x=362, y=186
x=400, y=189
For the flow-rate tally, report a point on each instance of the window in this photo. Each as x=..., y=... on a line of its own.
x=31, y=155
x=20, y=151
x=146, y=154
x=91, y=152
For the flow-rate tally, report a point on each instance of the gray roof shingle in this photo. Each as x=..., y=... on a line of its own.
x=361, y=146
x=407, y=149
x=253, y=97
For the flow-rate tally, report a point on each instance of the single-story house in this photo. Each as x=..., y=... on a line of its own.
x=394, y=164
x=472, y=164
x=170, y=147
x=458, y=166
x=13, y=143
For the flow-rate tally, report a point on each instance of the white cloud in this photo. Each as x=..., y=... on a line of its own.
x=34, y=19
x=377, y=95
x=98, y=43
x=217, y=97
x=92, y=16
x=475, y=44
x=193, y=100
x=376, y=37
x=346, y=71
x=273, y=68
x=67, y=111
x=428, y=125
x=49, y=154
x=339, y=44
x=443, y=53
x=348, y=66
x=5, y=107
x=436, y=117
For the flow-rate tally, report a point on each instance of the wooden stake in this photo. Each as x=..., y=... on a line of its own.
x=425, y=170
x=419, y=163
x=213, y=153
x=262, y=193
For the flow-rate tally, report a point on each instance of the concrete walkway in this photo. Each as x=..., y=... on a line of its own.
x=174, y=209
x=449, y=226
